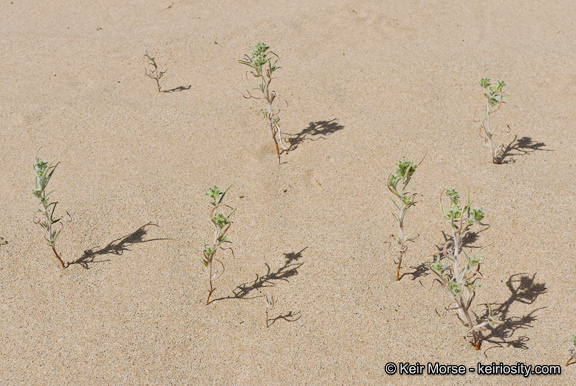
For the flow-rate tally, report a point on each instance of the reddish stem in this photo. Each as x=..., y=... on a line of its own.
x=64, y=266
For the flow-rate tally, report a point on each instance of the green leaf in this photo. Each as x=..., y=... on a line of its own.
x=405, y=169
x=477, y=214
x=213, y=193
x=455, y=289
x=438, y=266
x=224, y=194
x=571, y=339
x=220, y=220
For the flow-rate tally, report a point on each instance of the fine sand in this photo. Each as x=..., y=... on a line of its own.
x=361, y=84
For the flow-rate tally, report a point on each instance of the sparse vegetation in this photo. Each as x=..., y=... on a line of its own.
x=153, y=73
x=494, y=99
x=52, y=225
x=220, y=218
x=403, y=201
x=263, y=63
x=458, y=272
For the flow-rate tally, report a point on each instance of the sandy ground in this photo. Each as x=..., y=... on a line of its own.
x=362, y=84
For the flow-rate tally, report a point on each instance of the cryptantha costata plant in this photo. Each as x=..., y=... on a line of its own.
x=456, y=271
x=494, y=99
x=263, y=63
x=220, y=218
x=153, y=73
x=47, y=220
x=403, y=201
x=572, y=349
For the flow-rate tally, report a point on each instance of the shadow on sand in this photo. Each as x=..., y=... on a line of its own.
x=315, y=131
x=115, y=247
x=522, y=146
x=525, y=290
x=269, y=279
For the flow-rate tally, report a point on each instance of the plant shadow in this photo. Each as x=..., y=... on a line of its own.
x=269, y=279
x=420, y=270
x=287, y=316
x=525, y=290
x=315, y=131
x=115, y=247
x=469, y=238
x=522, y=146
x=179, y=88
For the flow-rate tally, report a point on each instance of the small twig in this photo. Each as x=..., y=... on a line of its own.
x=44, y=172
x=494, y=98
x=270, y=302
x=154, y=74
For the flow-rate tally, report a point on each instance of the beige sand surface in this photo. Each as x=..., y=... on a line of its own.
x=362, y=84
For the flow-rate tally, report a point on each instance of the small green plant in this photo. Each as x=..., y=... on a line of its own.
x=153, y=73
x=52, y=226
x=403, y=201
x=572, y=349
x=457, y=272
x=494, y=99
x=263, y=63
x=220, y=218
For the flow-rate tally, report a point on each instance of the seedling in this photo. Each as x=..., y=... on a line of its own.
x=270, y=301
x=52, y=226
x=572, y=349
x=494, y=99
x=403, y=201
x=221, y=222
x=457, y=272
x=153, y=73
x=263, y=64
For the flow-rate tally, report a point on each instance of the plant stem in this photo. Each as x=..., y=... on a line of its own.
x=488, y=131
x=275, y=143
x=399, y=265
x=271, y=114
x=49, y=223
x=464, y=310
x=210, y=280
x=403, y=246
x=64, y=266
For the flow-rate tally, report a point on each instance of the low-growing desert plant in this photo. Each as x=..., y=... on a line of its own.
x=572, y=349
x=494, y=99
x=263, y=63
x=458, y=272
x=153, y=73
x=403, y=201
x=220, y=218
x=52, y=225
